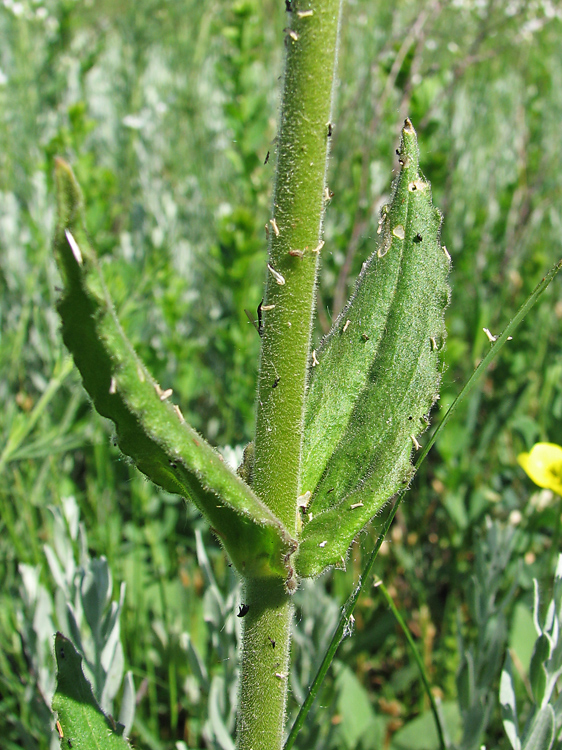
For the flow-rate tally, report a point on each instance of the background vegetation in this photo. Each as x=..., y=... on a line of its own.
x=167, y=111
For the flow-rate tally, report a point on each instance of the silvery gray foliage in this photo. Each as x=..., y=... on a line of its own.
x=82, y=610
x=480, y=662
x=34, y=614
x=224, y=627
x=316, y=619
x=543, y=728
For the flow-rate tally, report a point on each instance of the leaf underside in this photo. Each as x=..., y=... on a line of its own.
x=377, y=375
x=149, y=429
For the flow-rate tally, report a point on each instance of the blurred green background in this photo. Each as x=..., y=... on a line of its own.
x=167, y=110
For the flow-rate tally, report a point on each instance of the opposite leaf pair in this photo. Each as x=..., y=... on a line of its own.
x=371, y=386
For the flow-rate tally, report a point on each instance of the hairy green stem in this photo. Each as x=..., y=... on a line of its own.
x=295, y=231
x=265, y=665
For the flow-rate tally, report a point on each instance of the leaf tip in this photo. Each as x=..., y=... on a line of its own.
x=69, y=196
x=408, y=155
x=408, y=128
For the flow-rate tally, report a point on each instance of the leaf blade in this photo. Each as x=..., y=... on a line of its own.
x=149, y=429
x=83, y=725
x=379, y=402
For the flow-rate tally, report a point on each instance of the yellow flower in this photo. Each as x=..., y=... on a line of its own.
x=544, y=465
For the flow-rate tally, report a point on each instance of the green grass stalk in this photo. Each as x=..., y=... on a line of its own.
x=419, y=661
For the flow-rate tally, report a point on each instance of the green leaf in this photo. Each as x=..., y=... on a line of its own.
x=81, y=722
x=149, y=429
x=523, y=635
x=376, y=374
x=355, y=711
x=465, y=681
x=421, y=734
x=508, y=704
x=537, y=671
x=540, y=735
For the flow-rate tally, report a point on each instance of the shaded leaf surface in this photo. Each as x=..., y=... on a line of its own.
x=541, y=731
x=377, y=374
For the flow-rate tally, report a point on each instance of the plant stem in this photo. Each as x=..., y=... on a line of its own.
x=295, y=231
x=265, y=665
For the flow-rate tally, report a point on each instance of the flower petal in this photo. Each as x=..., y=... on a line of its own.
x=544, y=465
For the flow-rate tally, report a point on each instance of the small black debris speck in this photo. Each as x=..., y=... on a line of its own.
x=418, y=238
x=243, y=610
x=260, y=321
x=266, y=158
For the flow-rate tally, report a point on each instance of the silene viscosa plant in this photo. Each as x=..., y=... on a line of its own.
x=336, y=426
